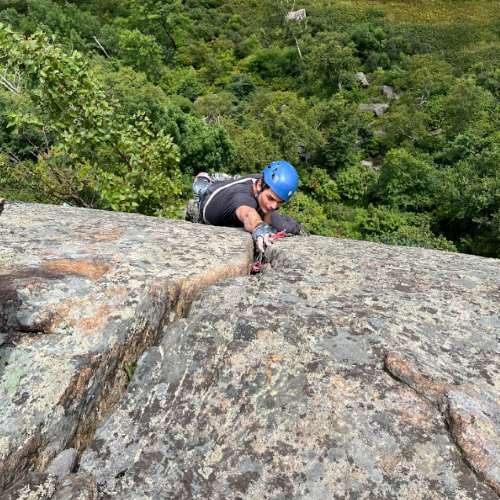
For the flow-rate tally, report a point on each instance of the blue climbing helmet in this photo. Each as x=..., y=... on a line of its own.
x=282, y=178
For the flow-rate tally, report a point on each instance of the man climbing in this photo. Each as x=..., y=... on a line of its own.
x=250, y=201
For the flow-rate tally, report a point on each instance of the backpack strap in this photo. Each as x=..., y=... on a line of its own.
x=218, y=190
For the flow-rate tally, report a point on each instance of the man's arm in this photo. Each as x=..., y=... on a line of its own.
x=251, y=218
x=253, y=223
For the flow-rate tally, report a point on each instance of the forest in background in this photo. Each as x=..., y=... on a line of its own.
x=117, y=104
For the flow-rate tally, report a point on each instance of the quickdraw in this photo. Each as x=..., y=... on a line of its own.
x=257, y=265
x=281, y=234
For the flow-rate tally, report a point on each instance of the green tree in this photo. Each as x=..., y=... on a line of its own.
x=321, y=187
x=88, y=154
x=405, y=126
x=310, y=213
x=343, y=129
x=355, y=182
x=426, y=76
x=274, y=67
x=211, y=108
x=219, y=62
x=253, y=149
x=74, y=27
x=202, y=147
x=165, y=19
x=393, y=227
x=286, y=120
x=141, y=52
x=468, y=203
x=242, y=86
x=406, y=181
x=330, y=64
x=465, y=108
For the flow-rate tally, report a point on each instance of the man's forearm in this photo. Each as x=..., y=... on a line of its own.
x=251, y=220
x=267, y=218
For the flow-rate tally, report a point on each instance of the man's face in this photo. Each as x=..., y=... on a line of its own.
x=268, y=201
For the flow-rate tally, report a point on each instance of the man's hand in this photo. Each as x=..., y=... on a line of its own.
x=261, y=235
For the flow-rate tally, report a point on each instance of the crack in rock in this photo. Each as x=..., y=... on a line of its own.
x=78, y=298
x=272, y=388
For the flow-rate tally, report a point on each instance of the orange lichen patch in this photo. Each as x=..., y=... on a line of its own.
x=273, y=358
x=112, y=236
x=34, y=286
x=407, y=370
x=62, y=314
x=182, y=292
x=117, y=291
x=269, y=375
x=467, y=435
x=96, y=322
x=339, y=385
x=417, y=415
x=93, y=269
x=389, y=463
x=32, y=339
x=49, y=253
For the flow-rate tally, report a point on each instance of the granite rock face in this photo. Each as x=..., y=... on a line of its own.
x=377, y=108
x=45, y=486
x=345, y=370
x=82, y=292
x=64, y=463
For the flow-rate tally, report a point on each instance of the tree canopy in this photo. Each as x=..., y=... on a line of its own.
x=116, y=104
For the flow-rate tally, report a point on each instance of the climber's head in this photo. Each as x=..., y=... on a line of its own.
x=278, y=184
x=282, y=178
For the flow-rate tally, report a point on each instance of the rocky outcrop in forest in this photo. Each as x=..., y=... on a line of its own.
x=345, y=369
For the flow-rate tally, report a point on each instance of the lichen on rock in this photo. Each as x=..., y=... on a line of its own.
x=345, y=369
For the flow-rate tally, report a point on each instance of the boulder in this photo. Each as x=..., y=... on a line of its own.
x=380, y=132
x=34, y=486
x=435, y=133
x=376, y=108
x=64, y=463
x=76, y=487
x=346, y=370
x=296, y=15
x=43, y=486
x=390, y=93
x=361, y=77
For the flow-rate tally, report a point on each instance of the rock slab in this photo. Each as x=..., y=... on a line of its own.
x=82, y=292
x=346, y=370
